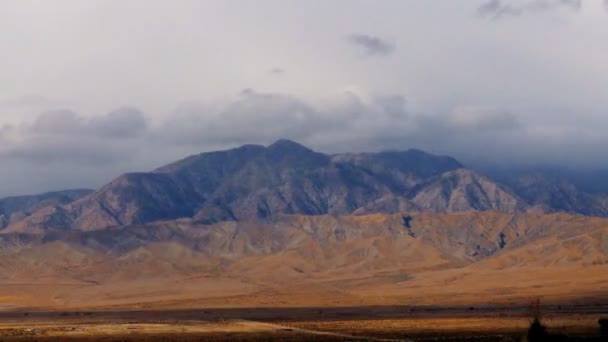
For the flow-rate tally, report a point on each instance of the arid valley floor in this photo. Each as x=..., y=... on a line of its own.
x=380, y=323
x=309, y=278
x=283, y=243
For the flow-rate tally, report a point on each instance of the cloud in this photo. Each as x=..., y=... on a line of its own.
x=65, y=136
x=511, y=90
x=27, y=101
x=358, y=122
x=252, y=117
x=4, y=130
x=276, y=71
x=121, y=123
x=497, y=9
x=371, y=45
x=482, y=118
x=64, y=149
x=125, y=122
x=345, y=122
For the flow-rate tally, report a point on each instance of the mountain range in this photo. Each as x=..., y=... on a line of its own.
x=254, y=182
x=285, y=225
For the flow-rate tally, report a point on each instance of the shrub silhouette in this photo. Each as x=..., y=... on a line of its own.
x=603, y=322
x=537, y=332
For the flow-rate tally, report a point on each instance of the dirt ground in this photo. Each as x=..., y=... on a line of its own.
x=301, y=324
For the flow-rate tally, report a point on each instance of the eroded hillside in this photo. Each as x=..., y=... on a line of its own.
x=291, y=259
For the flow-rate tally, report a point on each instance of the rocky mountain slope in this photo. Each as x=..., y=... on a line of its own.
x=257, y=182
x=284, y=225
x=347, y=260
x=13, y=209
x=556, y=191
x=455, y=238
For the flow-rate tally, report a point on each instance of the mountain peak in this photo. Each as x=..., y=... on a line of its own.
x=289, y=151
x=287, y=145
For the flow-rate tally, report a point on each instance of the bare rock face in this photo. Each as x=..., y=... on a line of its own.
x=465, y=190
x=354, y=244
x=481, y=255
x=17, y=208
x=133, y=198
x=554, y=192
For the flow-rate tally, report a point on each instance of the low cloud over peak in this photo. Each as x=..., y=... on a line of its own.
x=123, y=140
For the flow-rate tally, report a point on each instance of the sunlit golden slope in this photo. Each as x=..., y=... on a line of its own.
x=461, y=258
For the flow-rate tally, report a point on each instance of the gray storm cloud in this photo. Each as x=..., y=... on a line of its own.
x=123, y=139
x=371, y=45
x=121, y=123
x=499, y=8
x=65, y=136
x=345, y=122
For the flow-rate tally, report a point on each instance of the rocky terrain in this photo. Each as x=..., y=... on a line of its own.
x=257, y=182
x=13, y=209
x=284, y=225
x=557, y=190
x=314, y=260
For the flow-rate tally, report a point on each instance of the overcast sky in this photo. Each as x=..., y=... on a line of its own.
x=92, y=89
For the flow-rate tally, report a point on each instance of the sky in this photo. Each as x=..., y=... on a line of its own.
x=92, y=89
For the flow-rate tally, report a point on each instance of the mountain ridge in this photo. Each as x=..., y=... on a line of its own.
x=255, y=182
x=15, y=208
x=287, y=226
